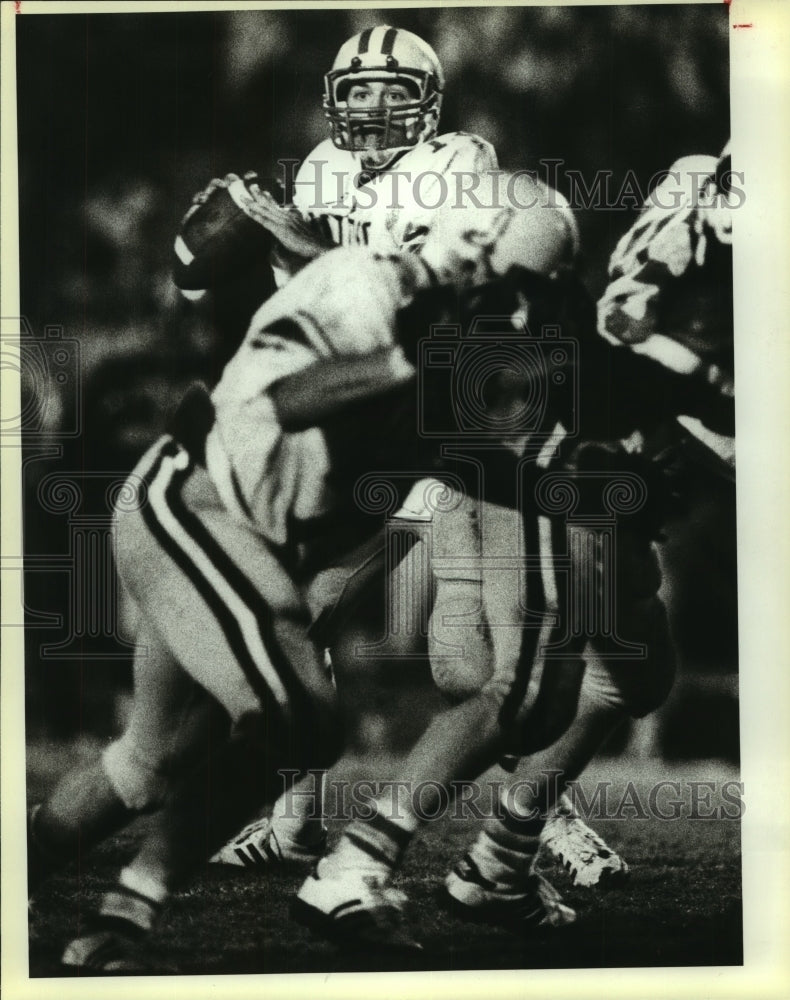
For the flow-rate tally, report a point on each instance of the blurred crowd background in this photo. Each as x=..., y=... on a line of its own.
x=122, y=118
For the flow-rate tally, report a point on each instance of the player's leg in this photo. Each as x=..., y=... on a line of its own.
x=350, y=886
x=626, y=688
x=498, y=870
x=213, y=797
x=621, y=690
x=458, y=744
x=172, y=725
x=458, y=641
x=550, y=690
x=339, y=599
x=229, y=613
x=611, y=692
x=96, y=799
x=224, y=604
x=165, y=731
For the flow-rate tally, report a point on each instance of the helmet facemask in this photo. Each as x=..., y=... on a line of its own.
x=381, y=129
x=383, y=56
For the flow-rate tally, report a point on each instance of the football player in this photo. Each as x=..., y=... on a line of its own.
x=384, y=171
x=522, y=703
x=222, y=522
x=223, y=525
x=379, y=180
x=669, y=300
x=349, y=897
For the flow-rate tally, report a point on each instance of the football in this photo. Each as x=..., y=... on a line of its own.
x=217, y=238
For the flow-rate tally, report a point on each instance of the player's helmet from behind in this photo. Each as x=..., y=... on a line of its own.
x=384, y=55
x=510, y=221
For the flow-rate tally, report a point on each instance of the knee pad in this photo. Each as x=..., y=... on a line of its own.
x=140, y=781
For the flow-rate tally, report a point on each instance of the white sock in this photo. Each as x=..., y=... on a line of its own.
x=373, y=847
x=505, y=849
x=137, y=898
x=143, y=883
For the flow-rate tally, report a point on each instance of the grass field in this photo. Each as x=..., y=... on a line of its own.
x=680, y=906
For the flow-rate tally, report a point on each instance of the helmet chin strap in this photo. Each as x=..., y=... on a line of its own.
x=380, y=159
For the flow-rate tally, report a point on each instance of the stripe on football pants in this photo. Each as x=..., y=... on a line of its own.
x=532, y=639
x=237, y=621
x=251, y=598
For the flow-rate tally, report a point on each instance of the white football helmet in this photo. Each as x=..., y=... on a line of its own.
x=385, y=55
x=512, y=220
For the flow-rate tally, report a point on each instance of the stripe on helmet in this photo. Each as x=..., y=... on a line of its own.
x=364, y=41
x=388, y=43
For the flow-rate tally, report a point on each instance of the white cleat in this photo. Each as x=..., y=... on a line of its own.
x=535, y=904
x=356, y=912
x=586, y=857
x=258, y=846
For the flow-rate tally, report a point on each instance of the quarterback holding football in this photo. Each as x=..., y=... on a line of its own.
x=382, y=100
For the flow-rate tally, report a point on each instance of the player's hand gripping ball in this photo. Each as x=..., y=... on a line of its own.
x=286, y=224
x=233, y=221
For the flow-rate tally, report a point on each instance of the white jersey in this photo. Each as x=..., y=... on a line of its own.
x=389, y=210
x=343, y=303
x=392, y=209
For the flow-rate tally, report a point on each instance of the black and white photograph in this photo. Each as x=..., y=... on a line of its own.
x=375, y=459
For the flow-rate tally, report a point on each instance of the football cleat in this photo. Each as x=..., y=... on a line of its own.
x=585, y=856
x=258, y=846
x=473, y=897
x=356, y=912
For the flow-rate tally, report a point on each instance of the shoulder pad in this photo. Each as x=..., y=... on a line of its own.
x=315, y=174
x=454, y=152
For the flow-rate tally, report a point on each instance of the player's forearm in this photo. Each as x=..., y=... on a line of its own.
x=328, y=388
